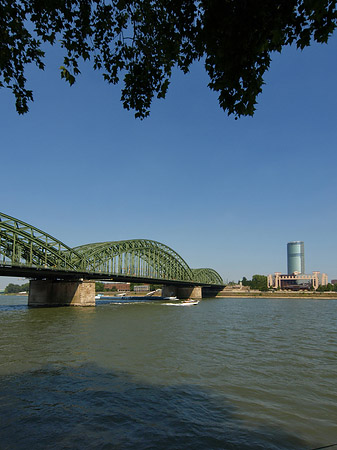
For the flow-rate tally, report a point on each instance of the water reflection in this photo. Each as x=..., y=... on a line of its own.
x=89, y=407
x=264, y=371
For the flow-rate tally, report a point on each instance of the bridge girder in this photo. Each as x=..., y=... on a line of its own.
x=23, y=245
x=138, y=257
x=207, y=276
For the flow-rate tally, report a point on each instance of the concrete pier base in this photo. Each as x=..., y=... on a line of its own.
x=211, y=292
x=182, y=292
x=61, y=293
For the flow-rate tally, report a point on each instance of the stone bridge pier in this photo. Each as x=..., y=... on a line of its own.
x=61, y=293
x=182, y=292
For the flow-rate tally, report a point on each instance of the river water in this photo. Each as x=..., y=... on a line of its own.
x=225, y=374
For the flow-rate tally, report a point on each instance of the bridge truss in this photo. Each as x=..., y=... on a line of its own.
x=28, y=249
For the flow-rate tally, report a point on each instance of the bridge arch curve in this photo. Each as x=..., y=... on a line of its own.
x=207, y=276
x=136, y=258
x=22, y=244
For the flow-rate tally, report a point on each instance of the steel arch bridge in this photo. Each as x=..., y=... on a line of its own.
x=28, y=251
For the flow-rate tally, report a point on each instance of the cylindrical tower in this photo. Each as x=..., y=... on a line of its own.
x=295, y=254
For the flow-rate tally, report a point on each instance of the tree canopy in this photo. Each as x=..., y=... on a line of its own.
x=258, y=282
x=16, y=288
x=99, y=286
x=139, y=42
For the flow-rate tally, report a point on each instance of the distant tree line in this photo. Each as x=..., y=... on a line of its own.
x=16, y=288
x=328, y=288
x=258, y=282
x=100, y=287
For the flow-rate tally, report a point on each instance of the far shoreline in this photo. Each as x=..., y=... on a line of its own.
x=232, y=295
x=281, y=295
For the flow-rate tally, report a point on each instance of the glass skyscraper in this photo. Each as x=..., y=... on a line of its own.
x=295, y=257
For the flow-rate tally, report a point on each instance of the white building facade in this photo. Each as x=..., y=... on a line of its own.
x=297, y=281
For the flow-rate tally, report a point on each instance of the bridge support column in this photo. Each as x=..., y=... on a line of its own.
x=182, y=292
x=61, y=293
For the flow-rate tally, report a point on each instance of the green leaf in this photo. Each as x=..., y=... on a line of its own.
x=67, y=75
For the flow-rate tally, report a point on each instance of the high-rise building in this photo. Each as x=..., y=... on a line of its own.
x=296, y=279
x=295, y=257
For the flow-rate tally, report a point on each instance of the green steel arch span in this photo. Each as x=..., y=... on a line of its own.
x=22, y=244
x=207, y=276
x=25, y=246
x=137, y=258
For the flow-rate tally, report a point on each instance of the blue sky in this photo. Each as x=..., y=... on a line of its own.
x=224, y=193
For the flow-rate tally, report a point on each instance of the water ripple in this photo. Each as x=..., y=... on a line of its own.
x=226, y=374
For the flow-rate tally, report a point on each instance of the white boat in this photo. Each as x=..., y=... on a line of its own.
x=183, y=303
x=98, y=296
x=171, y=298
x=191, y=302
x=150, y=293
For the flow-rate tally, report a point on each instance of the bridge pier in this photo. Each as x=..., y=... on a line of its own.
x=182, y=292
x=61, y=293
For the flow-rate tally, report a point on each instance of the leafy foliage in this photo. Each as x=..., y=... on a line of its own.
x=99, y=286
x=154, y=287
x=258, y=282
x=328, y=288
x=16, y=288
x=140, y=41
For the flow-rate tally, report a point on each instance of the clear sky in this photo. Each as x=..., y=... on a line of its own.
x=224, y=193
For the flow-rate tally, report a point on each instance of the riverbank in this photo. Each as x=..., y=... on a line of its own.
x=231, y=294
x=279, y=294
x=249, y=294
x=15, y=294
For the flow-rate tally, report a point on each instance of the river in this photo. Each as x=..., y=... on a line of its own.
x=224, y=374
